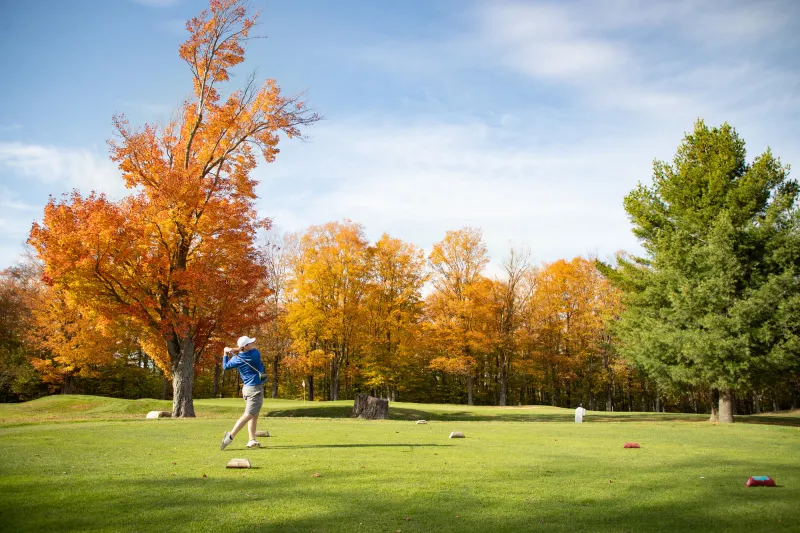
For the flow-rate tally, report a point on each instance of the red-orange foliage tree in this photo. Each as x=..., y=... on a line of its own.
x=178, y=255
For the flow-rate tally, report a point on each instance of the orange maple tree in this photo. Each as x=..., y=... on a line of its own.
x=178, y=254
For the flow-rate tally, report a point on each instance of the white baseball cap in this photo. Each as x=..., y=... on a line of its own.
x=244, y=341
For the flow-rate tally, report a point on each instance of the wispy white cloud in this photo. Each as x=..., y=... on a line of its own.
x=546, y=41
x=31, y=172
x=61, y=169
x=663, y=59
x=417, y=180
x=16, y=217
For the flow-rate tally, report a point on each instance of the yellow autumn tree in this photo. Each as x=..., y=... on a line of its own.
x=326, y=311
x=567, y=328
x=454, y=308
x=394, y=309
x=509, y=298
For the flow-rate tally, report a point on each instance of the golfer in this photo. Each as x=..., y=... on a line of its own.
x=248, y=363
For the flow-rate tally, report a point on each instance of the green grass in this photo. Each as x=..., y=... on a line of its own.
x=63, y=408
x=110, y=470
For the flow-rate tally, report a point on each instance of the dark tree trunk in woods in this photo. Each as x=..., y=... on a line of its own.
x=68, y=387
x=275, y=377
x=334, y=391
x=164, y=382
x=714, y=406
x=470, y=397
x=371, y=408
x=609, y=398
x=310, y=383
x=215, y=389
x=503, y=384
x=630, y=397
x=726, y=407
x=756, y=403
x=182, y=354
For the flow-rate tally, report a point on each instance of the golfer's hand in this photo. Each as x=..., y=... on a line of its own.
x=227, y=350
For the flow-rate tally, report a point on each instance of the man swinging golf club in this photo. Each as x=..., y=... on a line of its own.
x=248, y=363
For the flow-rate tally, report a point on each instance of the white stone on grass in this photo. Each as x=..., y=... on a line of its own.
x=421, y=422
x=159, y=414
x=239, y=463
x=264, y=433
x=456, y=435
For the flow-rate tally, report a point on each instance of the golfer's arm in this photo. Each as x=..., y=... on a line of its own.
x=227, y=364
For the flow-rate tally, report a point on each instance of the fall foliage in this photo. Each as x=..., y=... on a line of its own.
x=177, y=255
x=326, y=313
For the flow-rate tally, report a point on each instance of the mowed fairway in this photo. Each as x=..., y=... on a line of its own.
x=111, y=472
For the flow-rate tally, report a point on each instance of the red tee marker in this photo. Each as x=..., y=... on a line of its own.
x=760, y=481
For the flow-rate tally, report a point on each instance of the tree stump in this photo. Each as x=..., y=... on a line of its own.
x=371, y=408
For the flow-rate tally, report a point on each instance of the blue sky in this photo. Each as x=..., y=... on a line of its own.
x=530, y=120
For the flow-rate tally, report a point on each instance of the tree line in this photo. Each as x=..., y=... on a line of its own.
x=137, y=297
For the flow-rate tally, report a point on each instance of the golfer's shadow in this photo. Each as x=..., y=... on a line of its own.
x=304, y=446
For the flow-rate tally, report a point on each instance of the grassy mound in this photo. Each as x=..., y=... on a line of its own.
x=79, y=407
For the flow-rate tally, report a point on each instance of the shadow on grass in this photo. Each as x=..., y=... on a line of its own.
x=405, y=413
x=310, y=446
x=774, y=420
x=344, y=502
x=320, y=410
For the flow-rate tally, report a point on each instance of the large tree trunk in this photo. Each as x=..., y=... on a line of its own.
x=182, y=377
x=756, y=403
x=310, y=383
x=334, y=395
x=714, y=406
x=275, y=377
x=371, y=408
x=726, y=407
x=470, y=399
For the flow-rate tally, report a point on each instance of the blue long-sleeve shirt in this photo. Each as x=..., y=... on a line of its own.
x=249, y=376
